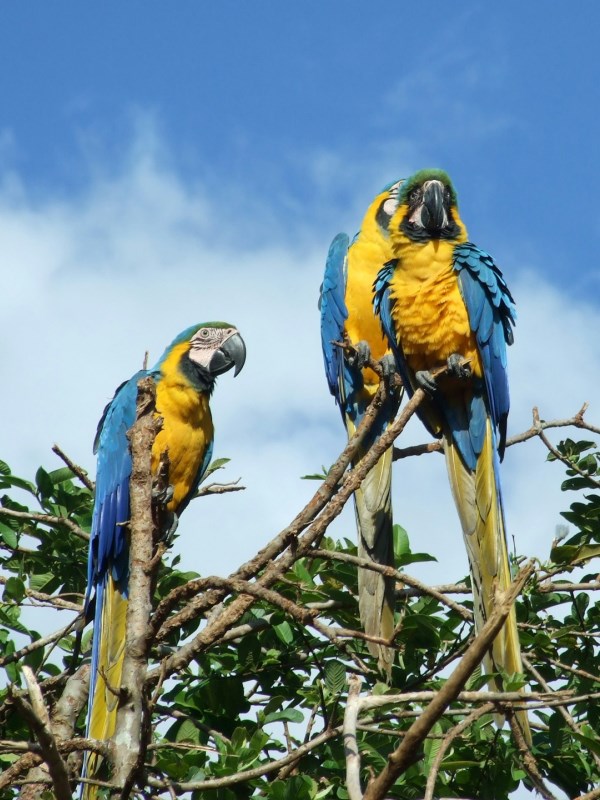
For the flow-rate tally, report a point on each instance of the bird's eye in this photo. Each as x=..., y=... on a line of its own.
x=414, y=196
x=204, y=333
x=447, y=195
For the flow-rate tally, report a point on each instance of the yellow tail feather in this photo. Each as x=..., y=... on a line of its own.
x=480, y=512
x=103, y=715
x=373, y=508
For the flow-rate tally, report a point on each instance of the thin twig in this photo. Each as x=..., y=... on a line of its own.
x=46, y=519
x=220, y=488
x=452, y=734
x=576, y=421
x=35, y=645
x=78, y=471
x=562, y=711
x=393, y=573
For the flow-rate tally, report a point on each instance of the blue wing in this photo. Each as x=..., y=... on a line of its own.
x=108, y=546
x=492, y=314
x=383, y=305
x=334, y=314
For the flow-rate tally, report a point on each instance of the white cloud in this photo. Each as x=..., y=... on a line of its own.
x=95, y=280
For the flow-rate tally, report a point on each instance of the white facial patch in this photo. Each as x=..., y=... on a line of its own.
x=205, y=341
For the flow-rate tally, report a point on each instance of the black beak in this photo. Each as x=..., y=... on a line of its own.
x=231, y=353
x=434, y=216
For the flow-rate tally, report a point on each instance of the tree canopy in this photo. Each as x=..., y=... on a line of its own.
x=261, y=683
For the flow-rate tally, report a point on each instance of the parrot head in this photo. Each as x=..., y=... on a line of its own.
x=205, y=351
x=428, y=207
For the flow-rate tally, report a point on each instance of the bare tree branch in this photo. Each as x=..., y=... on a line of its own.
x=576, y=421
x=129, y=741
x=38, y=719
x=62, y=723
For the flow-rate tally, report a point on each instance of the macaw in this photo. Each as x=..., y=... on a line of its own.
x=347, y=312
x=185, y=378
x=443, y=302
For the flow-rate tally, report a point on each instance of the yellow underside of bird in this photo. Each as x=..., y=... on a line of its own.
x=429, y=312
x=365, y=258
x=187, y=427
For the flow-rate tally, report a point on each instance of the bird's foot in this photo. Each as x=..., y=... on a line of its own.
x=458, y=366
x=360, y=356
x=170, y=522
x=426, y=381
x=389, y=373
x=162, y=495
x=388, y=366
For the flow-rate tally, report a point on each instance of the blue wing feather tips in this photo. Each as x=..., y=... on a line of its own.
x=492, y=314
x=334, y=313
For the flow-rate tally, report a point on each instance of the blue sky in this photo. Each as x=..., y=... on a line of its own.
x=501, y=95
x=161, y=165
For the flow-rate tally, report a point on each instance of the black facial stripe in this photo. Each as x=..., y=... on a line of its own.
x=382, y=218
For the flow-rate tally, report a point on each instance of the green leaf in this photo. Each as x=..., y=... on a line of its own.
x=188, y=732
x=218, y=463
x=401, y=543
x=285, y=632
x=335, y=676
x=9, y=537
x=14, y=589
x=44, y=483
x=287, y=714
x=569, y=554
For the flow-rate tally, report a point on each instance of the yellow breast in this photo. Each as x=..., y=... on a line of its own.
x=429, y=313
x=186, y=433
x=365, y=258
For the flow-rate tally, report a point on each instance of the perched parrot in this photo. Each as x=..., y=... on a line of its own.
x=443, y=302
x=347, y=311
x=185, y=377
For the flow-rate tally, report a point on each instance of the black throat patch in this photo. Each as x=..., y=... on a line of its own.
x=417, y=234
x=200, y=378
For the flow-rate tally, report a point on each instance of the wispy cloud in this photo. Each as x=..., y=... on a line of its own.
x=447, y=93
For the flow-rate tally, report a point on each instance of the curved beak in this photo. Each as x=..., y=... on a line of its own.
x=434, y=216
x=231, y=353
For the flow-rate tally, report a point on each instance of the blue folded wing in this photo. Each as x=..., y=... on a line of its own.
x=334, y=315
x=108, y=546
x=492, y=314
x=383, y=305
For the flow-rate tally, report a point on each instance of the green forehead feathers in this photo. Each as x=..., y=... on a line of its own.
x=423, y=175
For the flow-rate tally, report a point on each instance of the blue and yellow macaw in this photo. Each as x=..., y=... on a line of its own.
x=185, y=378
x=347, y=312
x=444, y=303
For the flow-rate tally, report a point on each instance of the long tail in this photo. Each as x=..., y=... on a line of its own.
x=479, y=505
x=108, y=650
x=374, y=520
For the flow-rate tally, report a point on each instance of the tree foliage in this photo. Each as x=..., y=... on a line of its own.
x=251, y=679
